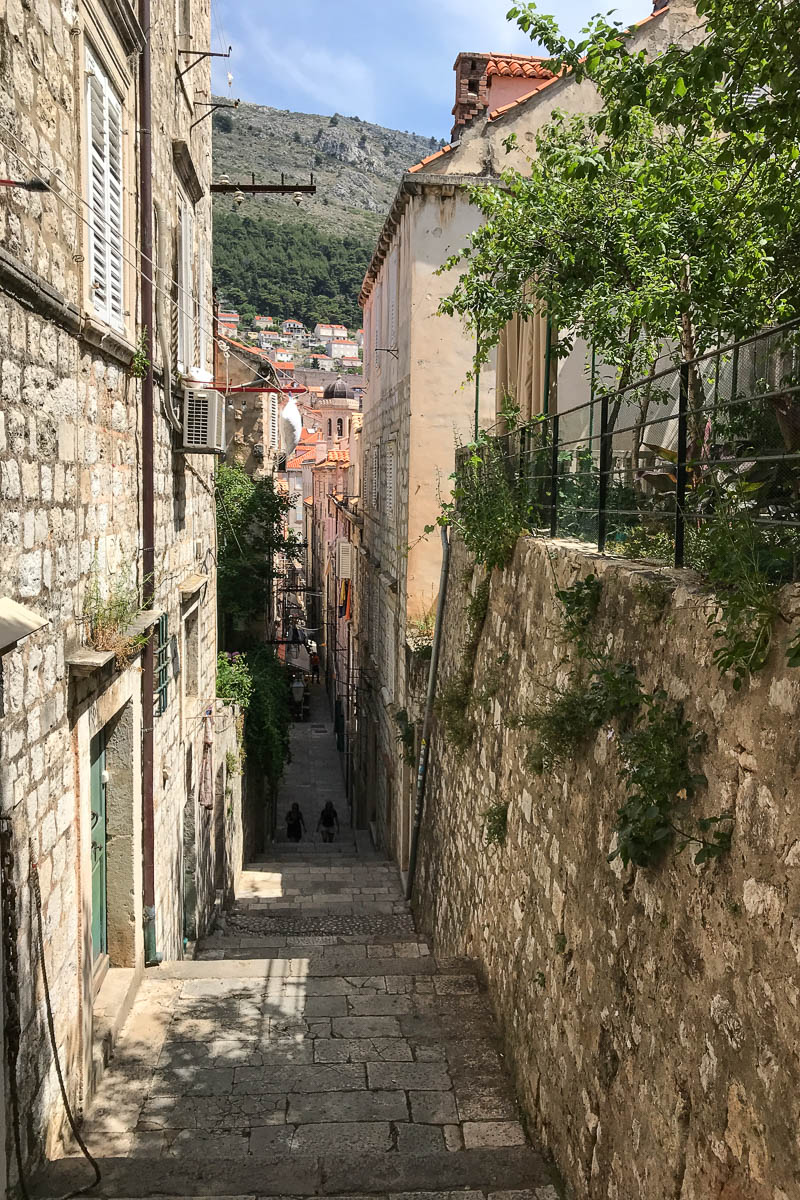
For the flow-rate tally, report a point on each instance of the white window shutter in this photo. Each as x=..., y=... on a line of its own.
x=200, y=314
x=375, y=480
x=344, y=555
x=274, y=438
x=388, y=480
x=186, y=343
x=114, y=125
x=105, y=199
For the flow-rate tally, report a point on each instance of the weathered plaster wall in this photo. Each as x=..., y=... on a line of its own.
x=651, y=1016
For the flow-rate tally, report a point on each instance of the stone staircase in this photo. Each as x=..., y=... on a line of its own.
x=317, y=1046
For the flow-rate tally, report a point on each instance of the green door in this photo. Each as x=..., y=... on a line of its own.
x=97, y=756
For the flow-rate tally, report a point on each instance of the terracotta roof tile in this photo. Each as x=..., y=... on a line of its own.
x=518, y=66
x=431, y=157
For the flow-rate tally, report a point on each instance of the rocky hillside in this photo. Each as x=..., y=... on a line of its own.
x=356, y=165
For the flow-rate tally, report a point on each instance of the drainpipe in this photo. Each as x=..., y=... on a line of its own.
x=148, y=506
x=422, y=770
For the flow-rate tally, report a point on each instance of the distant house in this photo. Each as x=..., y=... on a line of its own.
x=291, y=326
x=324, y=361
x=263, y=322
x=268, y=337
x=230, y=319
x=281, y=355
x=339, y=333
x=342, y=349
x=348, y=361
x=323, y=332
x=283, y=365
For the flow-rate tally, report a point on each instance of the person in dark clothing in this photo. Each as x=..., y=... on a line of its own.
x=295, y=825
x=314, y=659
x=328, y=822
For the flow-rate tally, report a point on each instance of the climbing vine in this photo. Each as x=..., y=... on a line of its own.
x=657, y=743
x=455, y=698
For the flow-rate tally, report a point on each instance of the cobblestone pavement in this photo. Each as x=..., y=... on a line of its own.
x=293, y=1064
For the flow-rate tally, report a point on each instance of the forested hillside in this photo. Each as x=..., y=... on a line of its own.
x=288, y=270
x=275, y=258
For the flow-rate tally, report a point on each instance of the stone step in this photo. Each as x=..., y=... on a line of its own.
x=484, y=1172
x=306, y=966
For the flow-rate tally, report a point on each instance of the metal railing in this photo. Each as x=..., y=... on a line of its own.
x=644, y=470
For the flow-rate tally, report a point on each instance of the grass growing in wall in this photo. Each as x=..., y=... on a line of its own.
x=454, y=703
x=656, y=744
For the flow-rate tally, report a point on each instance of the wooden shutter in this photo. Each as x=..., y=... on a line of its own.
x=375, y=480
x=388, y=480
x=186, y=343
x=104, y=172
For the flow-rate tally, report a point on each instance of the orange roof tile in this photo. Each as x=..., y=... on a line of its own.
x=424, y=162
x=518, y=65
x=308, y=500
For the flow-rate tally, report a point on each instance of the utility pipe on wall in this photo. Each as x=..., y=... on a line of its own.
x=148, y=489
x=422, y=770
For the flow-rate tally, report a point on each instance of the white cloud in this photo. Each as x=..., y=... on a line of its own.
x=336, y=80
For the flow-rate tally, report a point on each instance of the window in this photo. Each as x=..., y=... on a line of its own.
x=388, y=480
x=186, y=330
x=183, y=22
x=339, y=427
x=104, y=174
x=191, y=651
x=330, y=428
x=199, y=314
x=162, y=666
x=375, y=477
x=273, y=420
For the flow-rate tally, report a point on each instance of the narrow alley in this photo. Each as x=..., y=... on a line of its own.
x=315, y=1046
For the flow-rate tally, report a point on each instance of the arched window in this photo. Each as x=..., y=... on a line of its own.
x=339, y=427
x=330, y=428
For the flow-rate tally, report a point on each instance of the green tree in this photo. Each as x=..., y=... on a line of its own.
x=250, y=524
x=629, y=243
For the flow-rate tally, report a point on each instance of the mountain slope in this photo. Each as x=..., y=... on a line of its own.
x=356, y=165
x=308, y=261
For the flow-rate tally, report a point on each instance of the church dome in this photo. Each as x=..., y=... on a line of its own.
x=338, y=390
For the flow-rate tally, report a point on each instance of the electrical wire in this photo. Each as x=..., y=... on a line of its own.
x=51, y=1028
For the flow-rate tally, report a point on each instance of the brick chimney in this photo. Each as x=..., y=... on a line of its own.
x=472, y=93
x=489, y=81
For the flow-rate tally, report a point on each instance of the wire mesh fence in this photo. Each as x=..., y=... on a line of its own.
x=697, y=451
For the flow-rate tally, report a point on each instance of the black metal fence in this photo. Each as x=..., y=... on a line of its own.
x=649, y=470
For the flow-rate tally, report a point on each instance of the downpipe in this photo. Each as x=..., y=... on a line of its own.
x=151, y=956
x=424, y=749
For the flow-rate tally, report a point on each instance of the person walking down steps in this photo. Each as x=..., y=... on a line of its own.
x=328, y=822
x=295, y=825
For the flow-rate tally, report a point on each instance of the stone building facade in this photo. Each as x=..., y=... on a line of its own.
x=74, y=780
x=416, y=400
x=651, y=1015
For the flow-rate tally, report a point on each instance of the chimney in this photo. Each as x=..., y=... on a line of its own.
x=472, y=93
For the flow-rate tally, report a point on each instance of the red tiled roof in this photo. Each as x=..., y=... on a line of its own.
x=424, y=162
x=338, y=456
x=308, y=500
x=518, y=65
x=297, y=463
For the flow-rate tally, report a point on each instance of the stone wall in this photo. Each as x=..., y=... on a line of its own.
x=70, y=511
x=651, y=1016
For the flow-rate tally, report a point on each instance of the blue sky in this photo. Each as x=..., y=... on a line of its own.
x=388, y=61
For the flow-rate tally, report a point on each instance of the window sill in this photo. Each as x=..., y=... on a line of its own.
x=84, y=661
x=109, y=341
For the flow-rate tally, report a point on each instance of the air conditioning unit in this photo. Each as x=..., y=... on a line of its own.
x=203, y=421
